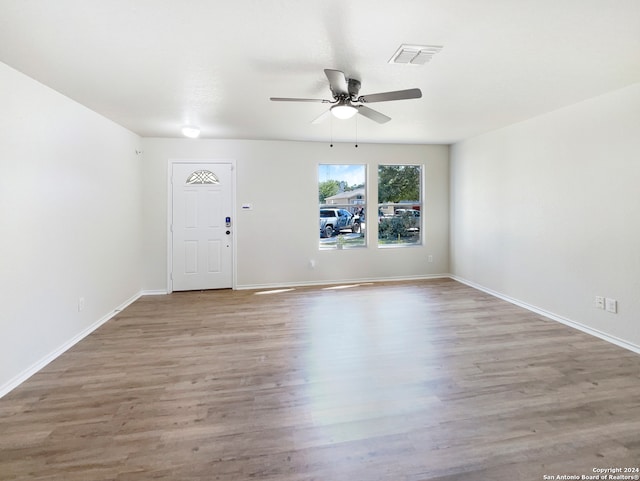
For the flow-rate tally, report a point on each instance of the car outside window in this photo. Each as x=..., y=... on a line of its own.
x=342, y=204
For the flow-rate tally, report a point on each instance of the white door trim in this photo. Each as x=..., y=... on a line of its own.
x=170, y=164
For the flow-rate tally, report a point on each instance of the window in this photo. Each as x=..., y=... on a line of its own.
x=342, y=205
x=399, y=205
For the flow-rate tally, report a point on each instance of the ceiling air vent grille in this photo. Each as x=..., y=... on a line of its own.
x=415, y=54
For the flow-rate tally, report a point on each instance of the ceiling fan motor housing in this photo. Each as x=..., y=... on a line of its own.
x=354, y=88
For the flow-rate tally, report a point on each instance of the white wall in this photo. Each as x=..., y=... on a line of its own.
x=547, y=212
x=276, y=240
x=70, y=216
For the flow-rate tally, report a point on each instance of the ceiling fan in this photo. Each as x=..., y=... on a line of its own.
x=346, y=102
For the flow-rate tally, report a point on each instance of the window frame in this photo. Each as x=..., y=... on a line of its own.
x=402, y=205
x=344, y=241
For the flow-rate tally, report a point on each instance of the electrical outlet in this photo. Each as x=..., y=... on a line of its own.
x=611, y=305
x=599, y=302
x=80, y=304
x=430, y=258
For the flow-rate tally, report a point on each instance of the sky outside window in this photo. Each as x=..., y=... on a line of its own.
x=351, y=174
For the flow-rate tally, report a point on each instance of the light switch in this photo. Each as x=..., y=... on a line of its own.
x=611, y=305
x=599, y=302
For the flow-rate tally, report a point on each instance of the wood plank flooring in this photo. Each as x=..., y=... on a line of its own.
x=404, y=381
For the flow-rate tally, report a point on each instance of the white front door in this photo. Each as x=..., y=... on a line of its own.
x=202, y=217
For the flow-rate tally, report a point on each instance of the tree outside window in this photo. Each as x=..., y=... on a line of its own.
x=399, y=205
x=342, y=205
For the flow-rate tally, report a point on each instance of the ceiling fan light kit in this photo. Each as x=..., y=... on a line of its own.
x=346, y=99
x=343, y=110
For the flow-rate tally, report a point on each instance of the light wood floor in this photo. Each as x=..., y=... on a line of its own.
x=406, y=381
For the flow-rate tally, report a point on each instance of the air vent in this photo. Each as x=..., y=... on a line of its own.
x=415, y=54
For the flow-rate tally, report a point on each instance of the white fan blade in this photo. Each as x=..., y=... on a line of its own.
x=337, y=81
x=395, y=95
x=287, y=99
x=321, y=117
x=373, y=114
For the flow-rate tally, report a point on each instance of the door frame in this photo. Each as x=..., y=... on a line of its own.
x=234, y=222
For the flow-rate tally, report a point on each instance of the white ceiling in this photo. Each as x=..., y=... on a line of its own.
x=155, y=65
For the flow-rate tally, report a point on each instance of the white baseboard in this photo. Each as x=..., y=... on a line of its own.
x=156, y=292
x=30, y=371
x=555, y=317
x=285, y=285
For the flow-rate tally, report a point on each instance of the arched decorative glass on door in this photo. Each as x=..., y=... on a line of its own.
x=202, y=177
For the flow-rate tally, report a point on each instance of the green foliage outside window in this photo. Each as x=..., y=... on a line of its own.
x=397, y=183
x=399, y=204
x=327, y=188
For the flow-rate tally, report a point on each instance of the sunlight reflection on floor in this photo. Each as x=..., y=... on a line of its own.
x=351, y=386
